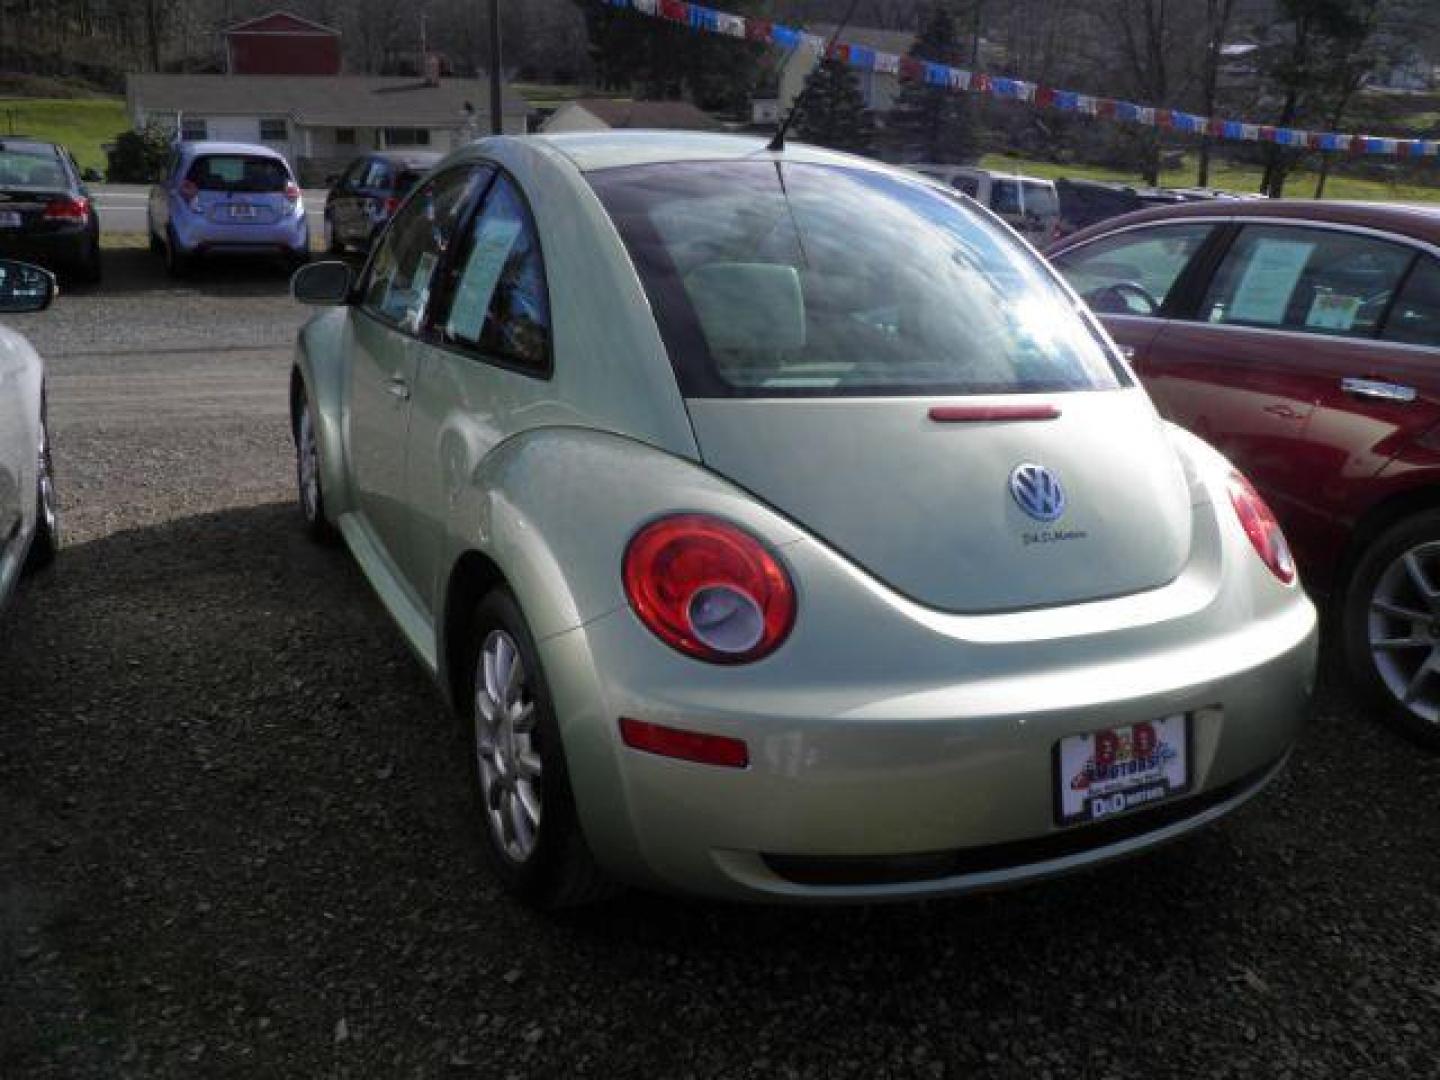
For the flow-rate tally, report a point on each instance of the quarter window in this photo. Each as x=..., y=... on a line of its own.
x=1318, y=281
x=401, y=274
x=500, y=304
x=1415, y=318
x=1133, y=273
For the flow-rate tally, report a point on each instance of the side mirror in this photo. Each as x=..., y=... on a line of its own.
x=323, y=283
x=24, y=287
x=93, y=176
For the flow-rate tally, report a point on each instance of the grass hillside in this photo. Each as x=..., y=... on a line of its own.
x=82, y=124
x=1244, y=178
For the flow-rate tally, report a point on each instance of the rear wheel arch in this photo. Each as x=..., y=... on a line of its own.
x=473, y=577
x=1373, y=524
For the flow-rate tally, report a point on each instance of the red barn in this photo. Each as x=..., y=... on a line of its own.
x=282, y=44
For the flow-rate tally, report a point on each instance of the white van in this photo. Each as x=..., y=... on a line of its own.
x=1028, y=203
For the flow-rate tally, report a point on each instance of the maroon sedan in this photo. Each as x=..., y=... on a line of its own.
x=1302, y=339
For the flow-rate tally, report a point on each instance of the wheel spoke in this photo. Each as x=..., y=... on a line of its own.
x=1421, y=582
x=529, y=799
x=527, y=764
x=1412, y=690
x=522, y=830
x=522, y=717
x=1398, y=611
x=1402, y=643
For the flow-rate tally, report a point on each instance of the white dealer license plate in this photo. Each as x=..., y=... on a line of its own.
x=244, y=213
x=1103, y=774
x=9, y=219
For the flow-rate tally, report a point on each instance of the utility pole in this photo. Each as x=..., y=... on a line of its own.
x=496, y=112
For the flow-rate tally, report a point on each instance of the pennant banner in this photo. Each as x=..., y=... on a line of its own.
x=709, y=20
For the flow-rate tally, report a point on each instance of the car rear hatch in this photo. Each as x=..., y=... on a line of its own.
x=878, y=362
x=927, y=505
x=35, y=195
x=240, y=189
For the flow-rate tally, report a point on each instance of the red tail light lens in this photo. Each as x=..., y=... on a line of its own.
x=709, y=589
x=392, y=203
x=68, y=209
x=1261, y=527
x=685, y=745
x=292, y=191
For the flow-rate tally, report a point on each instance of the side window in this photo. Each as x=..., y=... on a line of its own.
x=1133, y=272
x=1005, y=197
x=500, y=305
x=398, y=287
x=1319, y=281
x=1415, y=318
x=378, y=175
x=967, y=184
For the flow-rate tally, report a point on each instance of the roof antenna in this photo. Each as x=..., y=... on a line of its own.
x=777, y=144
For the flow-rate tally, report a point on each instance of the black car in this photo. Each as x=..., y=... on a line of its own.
x=365, y=196
x=46, y=215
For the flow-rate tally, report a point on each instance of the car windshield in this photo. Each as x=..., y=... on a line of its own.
x=38, y=169
x=772, y=279
x=238, y=172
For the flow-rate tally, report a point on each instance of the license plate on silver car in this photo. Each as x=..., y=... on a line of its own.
x=1103, y=774
x=9, y=219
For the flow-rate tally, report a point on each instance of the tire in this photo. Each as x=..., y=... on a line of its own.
x=157, y=246
x=518, y=775
x=45, y=544
x=308, y=484
x=1393, y=597
x=88, y=269
x=177, y=263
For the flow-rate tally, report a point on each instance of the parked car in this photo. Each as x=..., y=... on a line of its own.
x=1087, y=202
x=220, y=199
x=1027, y=203
x=783, y=529
x=46, y=215
x=1303, y=340
x=29, y=520
x=367, y=194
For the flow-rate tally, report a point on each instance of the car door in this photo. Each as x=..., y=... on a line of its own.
x=17, y=450
x=1131, y=279
x=385, y=325
x=1282, y=369
x=485, y=366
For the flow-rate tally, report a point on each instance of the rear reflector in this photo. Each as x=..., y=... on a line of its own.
x=685, y=745
x=960, y=414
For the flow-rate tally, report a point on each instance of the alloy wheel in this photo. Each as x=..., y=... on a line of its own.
x=506, y=753
x=49, y=513
x=308, y=467
x=1404, y=630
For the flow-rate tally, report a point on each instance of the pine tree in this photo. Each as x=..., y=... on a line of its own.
x=935, y=123
x=833, y=113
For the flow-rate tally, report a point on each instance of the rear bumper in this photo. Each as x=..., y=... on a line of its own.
x=200, y=236
x=861, y=791
x=49, y=249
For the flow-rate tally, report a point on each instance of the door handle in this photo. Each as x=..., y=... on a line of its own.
x=399, y=387
x=1378, y=390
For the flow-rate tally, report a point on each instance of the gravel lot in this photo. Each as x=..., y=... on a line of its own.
x=237, y=840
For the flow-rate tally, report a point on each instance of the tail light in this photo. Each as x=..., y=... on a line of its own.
x=190, y=193
x=392, y=203
x=68, y=209
x=709, y=589
x=1261, y=527
x=292, y=191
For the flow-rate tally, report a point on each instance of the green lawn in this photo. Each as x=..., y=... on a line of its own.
x=82, y=124
x=1300, y=185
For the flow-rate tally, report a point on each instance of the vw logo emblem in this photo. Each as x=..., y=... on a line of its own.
x=1037, y=491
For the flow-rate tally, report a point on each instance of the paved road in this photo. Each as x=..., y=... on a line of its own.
x=237, y=843
x=122, y=207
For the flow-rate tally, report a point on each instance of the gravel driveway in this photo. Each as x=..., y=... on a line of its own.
x=236, y=838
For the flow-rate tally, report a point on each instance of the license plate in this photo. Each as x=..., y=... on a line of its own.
x=9, y=219
x=244, y=213
x=1106, y=773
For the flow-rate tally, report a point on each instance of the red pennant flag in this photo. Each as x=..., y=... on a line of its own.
x=980, y=82
x=839, y=51
x=1216, y=128
x=1267, y=133
x=674, y=10
x=910, y=68
x=1402, y=148
x=1105, y=107
x=1044, y=96
x=1313, y=140
x=1164, y=118
x=757, y=29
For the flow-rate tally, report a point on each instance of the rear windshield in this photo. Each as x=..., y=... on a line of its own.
x=238, y=172
x=39, y=169
x=772, y=279
x=1024, y=197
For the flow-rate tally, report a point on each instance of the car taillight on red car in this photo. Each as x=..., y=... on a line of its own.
x=1261, y=527
x=68, y=209
x=709, y=589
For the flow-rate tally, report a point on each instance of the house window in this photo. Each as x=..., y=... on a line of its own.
x=274, y=131
x=344, y=136
x=407, y=136
x=193, y=129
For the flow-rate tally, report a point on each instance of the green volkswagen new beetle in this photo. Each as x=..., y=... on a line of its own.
x=784, y=529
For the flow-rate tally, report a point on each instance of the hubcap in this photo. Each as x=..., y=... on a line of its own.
x=308, y=464
x=505, y=750
x=1404, y=630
